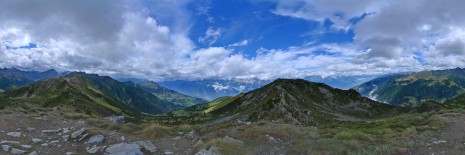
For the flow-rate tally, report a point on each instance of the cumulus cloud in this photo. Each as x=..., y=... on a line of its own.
x=390, y=30
x=150, y=39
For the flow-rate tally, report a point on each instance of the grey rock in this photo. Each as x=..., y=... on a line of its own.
x=65, y=130
x=168, y=152
x=36, y=140
x=44, y=145
x=123, y=149
x=30, y=129
x=83, y=136
x=8, y=142
x=95, y=149
x=51, y=131
x=96, y=139
x=200, y=142
x=116, y=119
x=232, y=140
x=26, y=146
x=17, y=151
x=6, y=148
x=190, y=134
x=14, y=134
x=77, y=133
x=147, y=145
x=70, y=153
x=33, y=153
x=213, y=150
x=65, y=137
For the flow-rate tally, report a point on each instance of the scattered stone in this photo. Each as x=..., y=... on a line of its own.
x=200, y=142
x=83, y=136
x=14, y=134
x=116, y=119
x=17, y=151
x=33, y=153
x=65, y=137
x=6, y=148
x=213, y=150
x=65, y=130
x=18, y=129
x=232, y=140
x=123, y=149
x=122, y=138
x=30, y=129
x=77, y=133
x=44, y=118
x=26, y=146
x=81, y=122
x=44, y=145
x=36, y=140
x=190, y=134
x=55, y=141
x=51, y=131
x=96, y=139
x=168, y=152
x=147, y=145
x=70, y=153
x=439, y=141
x=9, y=142
x=95, y=149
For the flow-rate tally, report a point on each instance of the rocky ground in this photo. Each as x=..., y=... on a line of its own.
x=449, y=141
x=50, y=133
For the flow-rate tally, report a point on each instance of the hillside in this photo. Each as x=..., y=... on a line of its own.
x=12, y=77
x=128, y=93
x=291, y=101
x=170, y=95
x=72, y=91
x=413, y=88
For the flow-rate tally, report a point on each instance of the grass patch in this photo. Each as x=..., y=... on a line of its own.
x=75, y=115
x=156, y=131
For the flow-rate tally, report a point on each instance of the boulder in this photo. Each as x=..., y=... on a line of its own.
x=6, y=148
x=116, y=119
x=36, y=140
x=26, y=146
x=147, y=145
x=14, y=134
x=77, y=133
x=51, y=131
x=65, y=137
x=95, y=149
x=17, y=151
x=96, y=139
x=33, y=153
x=123, y=149
x=8, y=142
x=213, y=150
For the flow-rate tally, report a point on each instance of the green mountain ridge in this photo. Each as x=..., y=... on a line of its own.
x=128, y=93
x=412, y=89
x=71, y=91
x=298, y=102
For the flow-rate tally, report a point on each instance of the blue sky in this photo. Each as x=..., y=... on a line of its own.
x=205, y=39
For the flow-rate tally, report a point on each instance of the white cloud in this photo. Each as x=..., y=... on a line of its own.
x=211, y=36
x=240, y=43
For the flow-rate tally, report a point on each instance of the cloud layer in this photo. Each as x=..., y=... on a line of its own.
x=152, y=40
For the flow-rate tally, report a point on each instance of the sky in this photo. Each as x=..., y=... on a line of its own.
x=164, y=40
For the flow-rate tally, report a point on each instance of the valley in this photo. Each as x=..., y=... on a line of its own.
x=285, y=116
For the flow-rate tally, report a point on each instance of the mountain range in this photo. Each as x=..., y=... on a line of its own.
x=293, y=101
x=411, y=89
